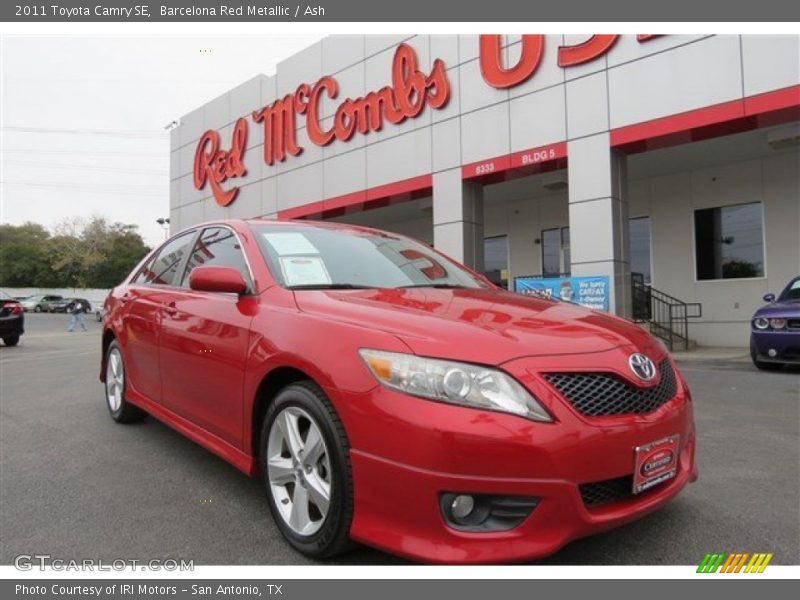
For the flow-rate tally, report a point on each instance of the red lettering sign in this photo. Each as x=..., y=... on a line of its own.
x=496, y=74
x=491, y=61
x=411, y=91
x=594, y=47
x=215, y=165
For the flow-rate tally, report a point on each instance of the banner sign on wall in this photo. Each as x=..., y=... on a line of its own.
x=591, y=292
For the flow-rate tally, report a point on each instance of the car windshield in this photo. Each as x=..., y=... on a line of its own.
x=310, y=257
x=4, y=296
x=792, y=291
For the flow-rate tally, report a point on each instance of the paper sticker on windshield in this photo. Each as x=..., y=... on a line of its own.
x=290, y=243
x=304, y=270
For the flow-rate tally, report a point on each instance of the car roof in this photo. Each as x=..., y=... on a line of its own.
x=311, y=224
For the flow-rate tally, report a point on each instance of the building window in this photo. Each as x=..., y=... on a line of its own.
x=495, y=260
x=729, y=242
x=556, y=258
x=639, y=233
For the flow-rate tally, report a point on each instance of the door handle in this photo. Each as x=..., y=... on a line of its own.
x=170, y=308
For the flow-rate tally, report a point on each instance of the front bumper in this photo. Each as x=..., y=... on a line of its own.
x=400, y=514
x=406, y=452
x=784, y=344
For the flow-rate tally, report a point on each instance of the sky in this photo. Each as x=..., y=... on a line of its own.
x=82, y=119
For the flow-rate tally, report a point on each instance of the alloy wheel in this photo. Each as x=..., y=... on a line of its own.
x=299, y=470
x=115, y=379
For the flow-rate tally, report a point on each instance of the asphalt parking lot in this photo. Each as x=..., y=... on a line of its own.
x=75, y=485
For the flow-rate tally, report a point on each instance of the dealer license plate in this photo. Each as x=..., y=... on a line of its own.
x=656, y=463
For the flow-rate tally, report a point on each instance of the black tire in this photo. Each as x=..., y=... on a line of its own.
x=11, y=340
x=333, y=537
x=125, y=412
x=764, y=366
x=37, y=308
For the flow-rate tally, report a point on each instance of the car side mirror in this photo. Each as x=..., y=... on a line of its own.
x=769, y=297
x=217, y=279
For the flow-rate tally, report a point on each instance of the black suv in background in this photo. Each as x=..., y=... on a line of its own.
x=67, y=305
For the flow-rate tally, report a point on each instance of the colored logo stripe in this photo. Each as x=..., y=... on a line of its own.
x=711, y=563
x=735, y=562
x=758, y=563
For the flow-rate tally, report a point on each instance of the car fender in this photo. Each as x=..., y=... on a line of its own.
x=325, y=351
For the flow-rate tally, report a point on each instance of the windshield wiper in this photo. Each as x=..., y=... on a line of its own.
x=441, y=286
x=331, y=286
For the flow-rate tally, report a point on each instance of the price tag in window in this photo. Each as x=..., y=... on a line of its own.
x=304, y=270
x=290, y=243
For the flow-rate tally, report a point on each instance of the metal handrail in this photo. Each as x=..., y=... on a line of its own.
x=667, y=316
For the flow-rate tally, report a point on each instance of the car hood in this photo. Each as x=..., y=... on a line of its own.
x=785, y=309
x=478, y=325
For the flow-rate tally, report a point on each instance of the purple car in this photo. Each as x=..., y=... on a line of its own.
x=775, y=336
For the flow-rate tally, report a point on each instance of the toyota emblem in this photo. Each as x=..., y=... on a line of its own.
x=642, y=367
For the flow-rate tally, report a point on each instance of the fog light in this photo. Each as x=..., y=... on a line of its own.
x=485, y=513
x=462, y=506
x=772, y=353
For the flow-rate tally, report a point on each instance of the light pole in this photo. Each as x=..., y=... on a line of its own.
x=164, y=225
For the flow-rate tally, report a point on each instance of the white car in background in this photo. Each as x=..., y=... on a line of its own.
x=39, y=302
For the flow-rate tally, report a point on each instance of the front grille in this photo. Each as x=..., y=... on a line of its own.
x=605, y=492
x=793, y=324
x=791, y=353
x=604, y=394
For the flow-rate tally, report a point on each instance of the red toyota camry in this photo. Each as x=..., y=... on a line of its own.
x=390, y=396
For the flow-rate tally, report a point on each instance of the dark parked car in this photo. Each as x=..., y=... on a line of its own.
x=66, y=305
x=39, y=302
x=12, y=319
x=775, y=336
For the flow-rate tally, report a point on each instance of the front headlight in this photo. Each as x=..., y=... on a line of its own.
x=453, y=382
x=761, y=323
x=777, y=323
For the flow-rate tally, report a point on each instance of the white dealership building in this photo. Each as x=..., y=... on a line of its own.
x=552, y=158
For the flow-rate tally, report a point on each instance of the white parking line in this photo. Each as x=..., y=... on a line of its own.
x=40, y=355
x=31, y=336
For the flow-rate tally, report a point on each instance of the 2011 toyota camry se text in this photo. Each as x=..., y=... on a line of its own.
x=390, y=396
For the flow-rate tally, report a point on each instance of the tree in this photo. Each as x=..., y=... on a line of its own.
x=120, y=247
x=23, y=256
x=79, y=254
